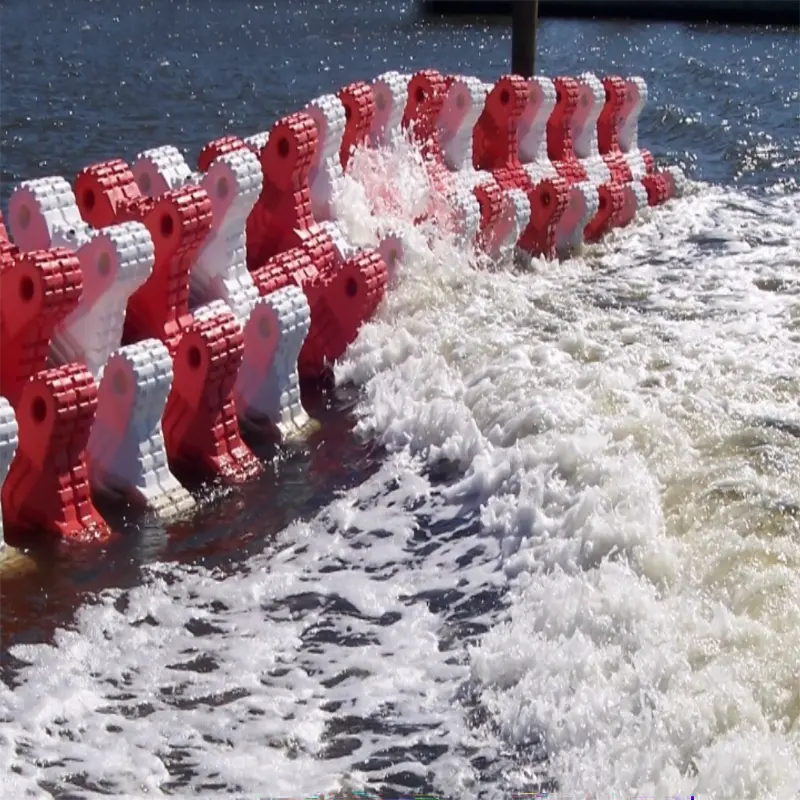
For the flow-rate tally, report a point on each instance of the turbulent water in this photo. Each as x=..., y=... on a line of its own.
x=554, y=542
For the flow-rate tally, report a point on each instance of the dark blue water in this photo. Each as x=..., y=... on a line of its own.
x=87, y=80
x=93, y=79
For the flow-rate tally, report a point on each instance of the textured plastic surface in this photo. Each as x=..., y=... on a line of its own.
x=582, y=197
x=287, y=246
x=9, y=440
x=326, y=173
x=561, y=150
x=358, y=100
x=200, y=425
x=126, y=451
x=341, y=297
x=267, y=391
x=461, y=109
x=283, y=211
x=126, y=448
x=496, y=149
x=390, y=90
x=591, y=101
x=114, y=263
x=47, y=488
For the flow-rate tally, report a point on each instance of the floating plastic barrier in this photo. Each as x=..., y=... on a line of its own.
x=267, y=388
x=500, y=216
x=582, y=197
x=495, y=148
x=148, y=312
x=618, y=140
x=126, y=451
x=326, y=176
x=591, y=99
x=326, y=173
x=200, y=425
x=286, y=246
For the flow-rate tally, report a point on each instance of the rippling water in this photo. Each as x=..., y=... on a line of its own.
x=549, y=534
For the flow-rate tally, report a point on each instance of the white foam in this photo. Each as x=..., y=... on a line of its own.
x=617, y=422
x=228, y=672
x=624, y=466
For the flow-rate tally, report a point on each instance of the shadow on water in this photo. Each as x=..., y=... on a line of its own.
x=228, y=528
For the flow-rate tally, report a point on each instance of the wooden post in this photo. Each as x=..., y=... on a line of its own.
x=524, y=19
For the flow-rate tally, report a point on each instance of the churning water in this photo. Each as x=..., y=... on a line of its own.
x=549, y=535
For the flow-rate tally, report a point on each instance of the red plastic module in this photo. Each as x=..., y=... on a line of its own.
x=359, y=110
x=47, y=487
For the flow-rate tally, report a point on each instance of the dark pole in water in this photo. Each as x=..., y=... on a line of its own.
x=524, y=19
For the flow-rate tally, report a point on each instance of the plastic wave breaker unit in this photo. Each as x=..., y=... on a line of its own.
x=154, y=315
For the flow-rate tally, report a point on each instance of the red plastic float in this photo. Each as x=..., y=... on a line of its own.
x=47, y=486
x=359, y=110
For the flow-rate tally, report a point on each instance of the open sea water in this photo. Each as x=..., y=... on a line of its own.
x=548, y=537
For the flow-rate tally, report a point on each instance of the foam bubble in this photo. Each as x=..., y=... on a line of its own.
x=629, y=423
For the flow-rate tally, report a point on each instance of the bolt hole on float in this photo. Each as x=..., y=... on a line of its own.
x=154, y=317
